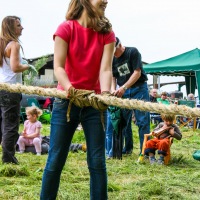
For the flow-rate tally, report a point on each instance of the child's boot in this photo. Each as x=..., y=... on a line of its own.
x=161, y=160
x=152, y=160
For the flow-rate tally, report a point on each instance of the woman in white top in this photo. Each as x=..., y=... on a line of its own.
x=11, y=69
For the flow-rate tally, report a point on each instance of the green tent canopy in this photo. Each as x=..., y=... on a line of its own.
x=186, y=64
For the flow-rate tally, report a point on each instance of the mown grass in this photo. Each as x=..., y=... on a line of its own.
x=127, y=179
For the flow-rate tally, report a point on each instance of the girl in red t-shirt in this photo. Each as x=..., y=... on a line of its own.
x=83, y=54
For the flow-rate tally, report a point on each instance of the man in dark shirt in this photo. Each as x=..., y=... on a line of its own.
x=153, y=95
x=129, y=75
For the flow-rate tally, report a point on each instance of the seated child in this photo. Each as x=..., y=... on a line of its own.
x=161, y=143
x=31, y=133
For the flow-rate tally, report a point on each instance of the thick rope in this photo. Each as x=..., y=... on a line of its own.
x=108, y=100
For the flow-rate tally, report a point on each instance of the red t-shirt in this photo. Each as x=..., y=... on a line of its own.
x=85, y=50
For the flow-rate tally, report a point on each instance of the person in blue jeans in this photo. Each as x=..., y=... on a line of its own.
x=85, y=34
x=129, y=75
x=142, y=117
x=109, y=137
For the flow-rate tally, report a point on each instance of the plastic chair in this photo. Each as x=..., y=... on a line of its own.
x=23, y=114
x=45, y=117
x=33, y=102
x=184, y=121
x=168, y=157
x=188, y=103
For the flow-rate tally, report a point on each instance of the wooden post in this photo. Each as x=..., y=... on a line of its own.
x=155, y=81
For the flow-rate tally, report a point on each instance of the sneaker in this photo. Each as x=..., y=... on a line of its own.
x=127, y=152
x=10, y=161
x=20, y=151
x=38, y=154
x=160, y=162
x=109, y=157
x=152, y=160
x=146, y=157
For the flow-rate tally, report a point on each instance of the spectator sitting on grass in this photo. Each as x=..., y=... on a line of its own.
x=31, y=133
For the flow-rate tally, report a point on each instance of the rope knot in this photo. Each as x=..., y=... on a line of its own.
x=79, y=97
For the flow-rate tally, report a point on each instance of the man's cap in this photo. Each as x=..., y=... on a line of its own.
x=117, y=41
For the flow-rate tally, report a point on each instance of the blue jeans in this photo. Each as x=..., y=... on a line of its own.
x=142, y=118
x=109, y=136
x=60, y=140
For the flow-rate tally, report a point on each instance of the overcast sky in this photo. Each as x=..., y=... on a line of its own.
x=159, y=29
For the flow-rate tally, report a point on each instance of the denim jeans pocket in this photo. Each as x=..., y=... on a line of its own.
x=60, y=103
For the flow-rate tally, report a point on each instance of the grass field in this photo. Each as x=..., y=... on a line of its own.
x=127, y=179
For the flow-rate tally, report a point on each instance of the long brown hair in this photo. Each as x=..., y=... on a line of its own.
x=7, y=34
x=98, y=23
